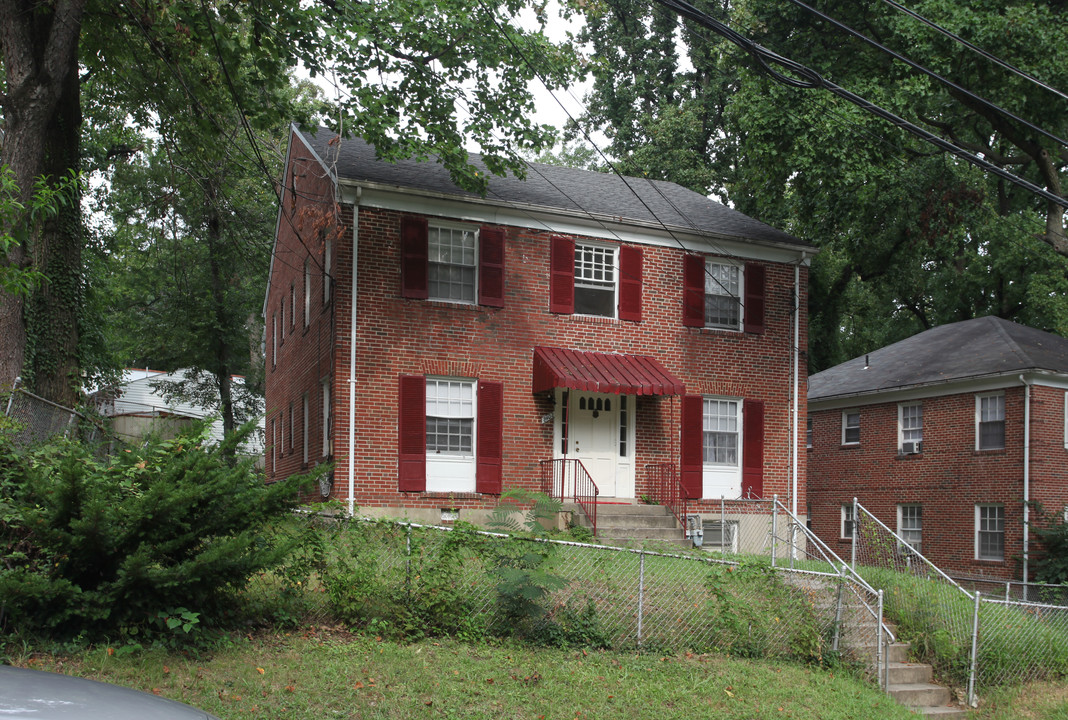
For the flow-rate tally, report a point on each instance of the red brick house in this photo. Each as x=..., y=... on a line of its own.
x=439, y=346
x=946, y=437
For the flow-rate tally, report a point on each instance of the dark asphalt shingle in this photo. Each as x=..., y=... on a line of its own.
x=969, y=349
x=555, y=187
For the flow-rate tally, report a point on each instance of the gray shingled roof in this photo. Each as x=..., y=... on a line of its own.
x=969, y=349
x=555, y=187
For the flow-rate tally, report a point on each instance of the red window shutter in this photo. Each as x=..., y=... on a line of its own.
x=491, y=267
x=562, y=275
x=490, y=437
x=414, y=258
x=754, y=297
x=692, y=454
x=693, y=290
x=630, y=283
x=411, y=421
x=753, y=448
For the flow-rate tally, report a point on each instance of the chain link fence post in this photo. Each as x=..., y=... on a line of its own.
x=973, y=701
x=641, y=593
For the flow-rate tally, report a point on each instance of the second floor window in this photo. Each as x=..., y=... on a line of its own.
x=452, y=264
x=990, y=422
x=595, y=280
x=723, y=303
x=910, y=426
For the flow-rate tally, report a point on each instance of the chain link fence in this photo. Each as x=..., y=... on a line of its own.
x=980, y=633
x=622, y=598
x=37, y=419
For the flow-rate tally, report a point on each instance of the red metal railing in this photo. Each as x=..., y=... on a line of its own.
x=567, y=480
x=663, y=479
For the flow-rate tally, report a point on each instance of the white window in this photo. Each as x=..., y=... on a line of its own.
x=990, y=422
x=723, y=292
x=624, y=426
x=453, y=263
x=910, y=428
x=282, y=317
x=274, y=339
x=328, y=259
x=325, y=390
x=851, y=427
x=307, y=292
x=848, y=524
x=989, y=532
x=450, y=435
x=910, y=525
x=292, y=306
x=808, y=433
x=595, y=280
x=274, y=445
x=304, y=409
x=292, y=429
x=721, y=424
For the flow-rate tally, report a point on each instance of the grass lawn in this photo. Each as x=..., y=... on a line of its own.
x=328, y=674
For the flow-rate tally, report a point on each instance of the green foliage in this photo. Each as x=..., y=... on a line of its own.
x=753, y=613
x=18, y=219
x=166, y=533
x=509, y=516
x=1050, y=563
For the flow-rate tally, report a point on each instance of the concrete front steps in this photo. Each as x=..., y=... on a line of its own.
x=631, y=524
x=910, y=684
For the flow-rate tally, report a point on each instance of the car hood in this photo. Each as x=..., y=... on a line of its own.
x=49, y=696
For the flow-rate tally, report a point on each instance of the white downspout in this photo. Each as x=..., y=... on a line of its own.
x=797, y=382
x=1026, y=478
x=352, y=352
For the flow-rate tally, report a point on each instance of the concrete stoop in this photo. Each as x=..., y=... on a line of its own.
x=632, y=524
x=910, y=685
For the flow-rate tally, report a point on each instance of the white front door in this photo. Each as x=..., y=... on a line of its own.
x=600, y=432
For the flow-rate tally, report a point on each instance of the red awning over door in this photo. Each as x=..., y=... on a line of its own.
x=602, y=372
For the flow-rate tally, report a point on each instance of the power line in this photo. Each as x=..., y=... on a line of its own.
x=809, y=79
x=974, y=48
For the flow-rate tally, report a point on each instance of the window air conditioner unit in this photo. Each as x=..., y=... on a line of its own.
x=911, y=448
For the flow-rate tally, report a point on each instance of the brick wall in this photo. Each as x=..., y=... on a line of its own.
x=398, y=336
x=948, y=479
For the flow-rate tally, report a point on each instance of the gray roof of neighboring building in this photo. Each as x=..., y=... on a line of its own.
x=551, y=186
x=970, y=349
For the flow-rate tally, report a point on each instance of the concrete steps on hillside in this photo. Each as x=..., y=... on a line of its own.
x=911, y=685
x=632, y=523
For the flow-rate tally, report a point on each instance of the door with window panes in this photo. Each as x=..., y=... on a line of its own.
x=598, y=430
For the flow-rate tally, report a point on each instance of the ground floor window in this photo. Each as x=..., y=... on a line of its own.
x=989, y=532
x=848, y=523
x=450, y=435
x=910, y=525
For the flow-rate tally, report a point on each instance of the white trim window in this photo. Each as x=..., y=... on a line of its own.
x=910, y=525
x=274, y=340
x=989, y=532
x=292, y=306
x=910, y=428
x=328, y=259
x=453, y=263
x=808, y=432
x=990, y=422
x=307, y=292
x=327, y=425
x=721, y=432
x=596, y=280
x=847, y=525
x=450, y=435
x=851, y=427
x=723, y=293
x=304, y=437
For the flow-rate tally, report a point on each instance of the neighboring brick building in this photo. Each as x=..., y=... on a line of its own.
x=621, y=323
x=931, y=435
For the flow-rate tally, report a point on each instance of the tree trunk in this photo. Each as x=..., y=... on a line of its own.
x=223, y=365
x=41, y=113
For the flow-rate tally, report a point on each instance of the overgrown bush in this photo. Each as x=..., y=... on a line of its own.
x=150, y=540
x=1051, y=559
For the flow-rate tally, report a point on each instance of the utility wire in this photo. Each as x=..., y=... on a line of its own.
x=930, y=73
x=974, y=48
x=809, y=79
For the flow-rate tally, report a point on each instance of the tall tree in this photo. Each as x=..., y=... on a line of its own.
x=910, y=236
x=414, y=78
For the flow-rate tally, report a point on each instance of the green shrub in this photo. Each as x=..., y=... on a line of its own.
x=111, y=547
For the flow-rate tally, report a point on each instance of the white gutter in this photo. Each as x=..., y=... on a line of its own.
x=352, y=351
x=797, y=381
x=1026, y=477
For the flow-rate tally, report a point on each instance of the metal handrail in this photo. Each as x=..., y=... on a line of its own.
x=567, y=479
x=667, y=490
